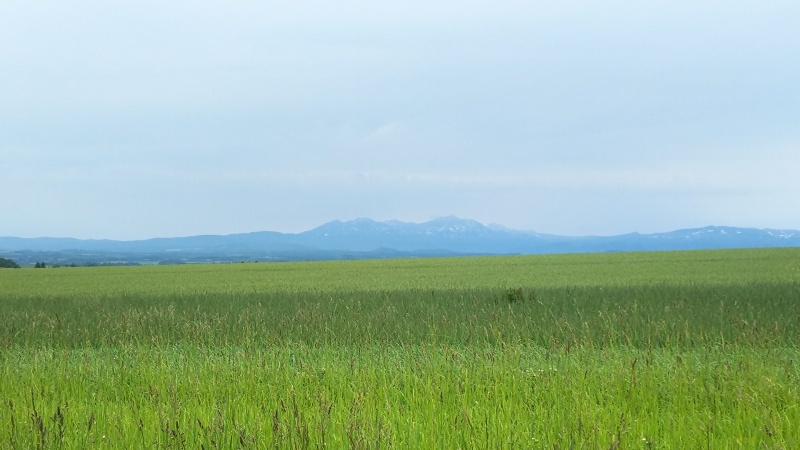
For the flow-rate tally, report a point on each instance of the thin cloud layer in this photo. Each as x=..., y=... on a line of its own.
x=149, y=119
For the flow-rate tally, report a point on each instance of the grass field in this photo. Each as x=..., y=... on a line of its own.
x=630, y=350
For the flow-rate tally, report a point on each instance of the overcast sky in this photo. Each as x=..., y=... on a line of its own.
x=130, y=120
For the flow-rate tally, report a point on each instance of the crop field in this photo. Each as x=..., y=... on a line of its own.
x=676, y=350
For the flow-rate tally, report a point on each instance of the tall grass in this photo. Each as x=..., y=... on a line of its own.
x=752, y=314
x=666, y=350
x=300, y=396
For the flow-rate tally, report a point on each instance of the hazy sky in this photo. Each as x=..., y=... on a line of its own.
x=130, y=120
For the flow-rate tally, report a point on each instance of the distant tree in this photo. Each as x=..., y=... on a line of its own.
x=40, y=265
x=8, y=264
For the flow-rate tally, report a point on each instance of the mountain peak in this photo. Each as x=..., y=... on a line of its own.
x=453, y=224
x=359, y=225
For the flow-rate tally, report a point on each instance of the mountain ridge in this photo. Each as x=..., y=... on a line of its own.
x=368, y=238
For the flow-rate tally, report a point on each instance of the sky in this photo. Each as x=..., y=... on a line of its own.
x=133, y=120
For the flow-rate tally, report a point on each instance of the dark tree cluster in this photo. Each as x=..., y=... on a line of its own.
x=40, y=265
x=8, y=264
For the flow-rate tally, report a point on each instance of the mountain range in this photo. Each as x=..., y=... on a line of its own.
x=367, y=238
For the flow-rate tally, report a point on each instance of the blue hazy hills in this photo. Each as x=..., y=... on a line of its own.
x=367, y=238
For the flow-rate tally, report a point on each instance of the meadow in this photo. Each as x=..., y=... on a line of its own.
x=628, y=350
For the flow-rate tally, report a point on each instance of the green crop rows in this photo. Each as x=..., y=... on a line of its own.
x=633, y=350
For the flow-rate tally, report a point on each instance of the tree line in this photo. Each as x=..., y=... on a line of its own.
x=8, y=264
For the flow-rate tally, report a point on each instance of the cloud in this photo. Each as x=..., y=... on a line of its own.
x=382, y=132
x=517, y=110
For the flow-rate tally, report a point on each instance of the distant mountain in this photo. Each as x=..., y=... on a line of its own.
x=443, y=234
x=367, y=238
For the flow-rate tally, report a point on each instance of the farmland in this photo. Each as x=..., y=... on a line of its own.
x=628, y=350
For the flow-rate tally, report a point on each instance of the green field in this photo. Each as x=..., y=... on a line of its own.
x=629, y=350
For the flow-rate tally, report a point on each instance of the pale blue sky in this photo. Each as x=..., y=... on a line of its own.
x=143, y=119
